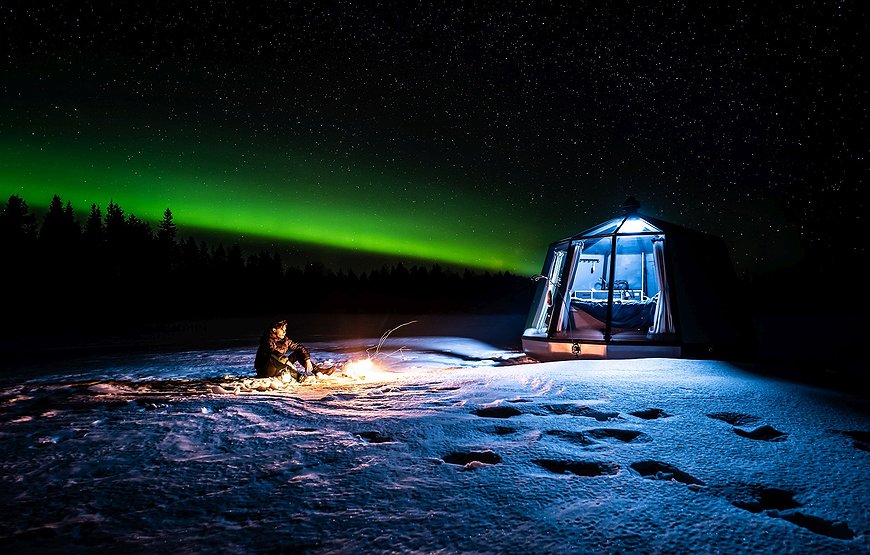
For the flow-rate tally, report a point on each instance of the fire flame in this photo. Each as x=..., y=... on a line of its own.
x=364, y=369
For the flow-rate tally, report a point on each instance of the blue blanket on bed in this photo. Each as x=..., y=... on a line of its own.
x=626, y=313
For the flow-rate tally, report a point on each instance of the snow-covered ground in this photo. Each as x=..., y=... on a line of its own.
x=449, y=446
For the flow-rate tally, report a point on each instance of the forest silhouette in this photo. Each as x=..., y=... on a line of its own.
x=117, y=269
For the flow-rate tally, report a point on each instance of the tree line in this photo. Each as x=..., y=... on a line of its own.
x=116, y=269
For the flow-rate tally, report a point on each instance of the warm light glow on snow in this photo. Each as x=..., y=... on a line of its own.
x=365, y=369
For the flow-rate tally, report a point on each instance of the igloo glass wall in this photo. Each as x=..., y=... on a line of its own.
x=636, y=286
x=633, y=286
x=611, y=275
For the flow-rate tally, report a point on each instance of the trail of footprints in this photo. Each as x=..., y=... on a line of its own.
x=755, y=498
x=770, y=501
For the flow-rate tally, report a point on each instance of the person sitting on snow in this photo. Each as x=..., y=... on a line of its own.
x=277, y=354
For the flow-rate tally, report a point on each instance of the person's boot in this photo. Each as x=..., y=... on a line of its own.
x=325, y=370
x=297, y=375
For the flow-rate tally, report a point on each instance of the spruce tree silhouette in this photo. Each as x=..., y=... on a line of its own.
x=18, y=235
x=167, y=246
x=17, y=223
x=167, y=232
x=93, y=232
x=59, y=228
x=59, y=251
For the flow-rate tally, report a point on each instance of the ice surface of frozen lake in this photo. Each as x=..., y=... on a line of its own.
x=456, y=446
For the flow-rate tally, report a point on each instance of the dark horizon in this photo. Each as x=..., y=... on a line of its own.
x=127, y=274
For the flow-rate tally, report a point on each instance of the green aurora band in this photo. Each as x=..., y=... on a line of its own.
x=265, y=191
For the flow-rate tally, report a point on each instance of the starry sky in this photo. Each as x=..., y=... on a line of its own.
x=463, y=133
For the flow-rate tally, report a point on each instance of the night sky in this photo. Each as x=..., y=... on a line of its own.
x=464, y=133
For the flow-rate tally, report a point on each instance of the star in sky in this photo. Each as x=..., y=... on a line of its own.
x=468, y=134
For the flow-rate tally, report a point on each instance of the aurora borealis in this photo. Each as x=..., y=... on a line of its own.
x=258, y=194
x=469, y=135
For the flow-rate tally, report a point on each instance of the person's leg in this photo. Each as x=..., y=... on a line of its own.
x=273, y=368
x=302, y=356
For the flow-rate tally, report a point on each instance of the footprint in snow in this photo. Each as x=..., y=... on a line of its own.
x=762, y=433
x=780, y=503
x=473, y=459
x=578, y=468
x=501, y=430
x=589, y=437
x=734, y=418
x=625, y=436
x=833, y=529
x=860, y=439
x=497, y=412
x=578, y=438
x=657, y=470
x=756, y=499
x=650, y=414
x=374, y=437
x=575, y=410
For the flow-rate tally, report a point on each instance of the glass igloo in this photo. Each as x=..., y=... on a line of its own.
x=633, y=286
